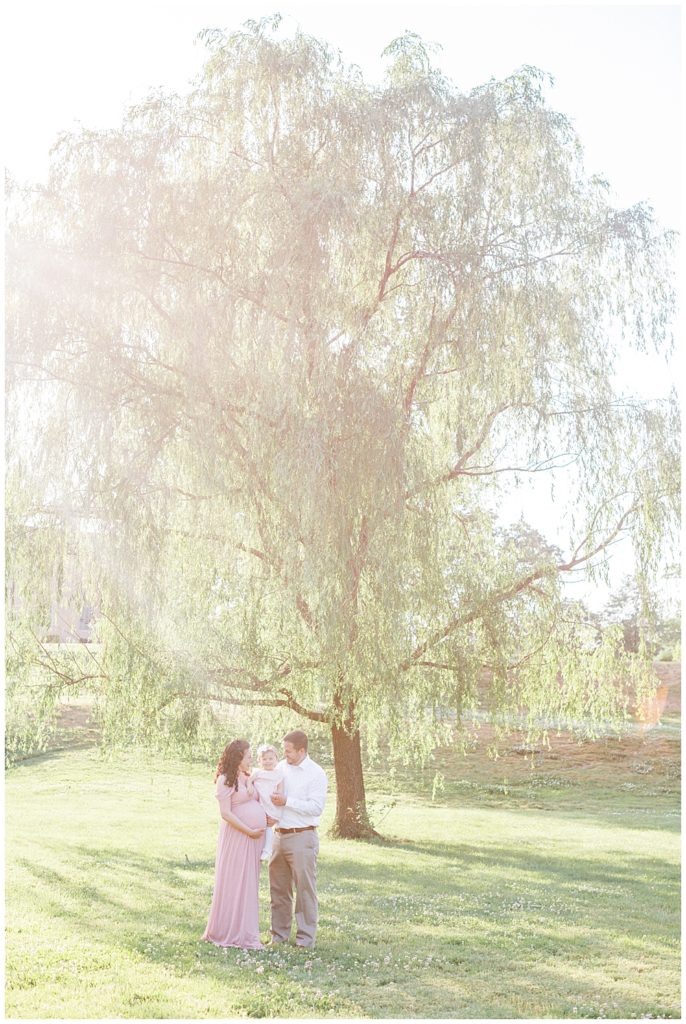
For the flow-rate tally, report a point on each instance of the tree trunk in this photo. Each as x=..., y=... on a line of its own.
x=351, y=820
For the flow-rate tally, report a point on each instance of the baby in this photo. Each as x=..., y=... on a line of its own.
x=265, y=780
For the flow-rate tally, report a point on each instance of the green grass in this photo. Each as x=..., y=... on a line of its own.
x=532, y=900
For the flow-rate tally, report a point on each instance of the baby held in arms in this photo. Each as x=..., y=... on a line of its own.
x=264, y=781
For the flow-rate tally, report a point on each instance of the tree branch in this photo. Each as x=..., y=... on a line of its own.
x=276, y=563
x=421, y=367
x=242, y=293
x=289, y=702
x=388, y=268
x=505, y=595
x=459, y=468
x=541, y=467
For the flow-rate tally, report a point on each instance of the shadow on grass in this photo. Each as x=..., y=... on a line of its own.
x=129, y=896
x=52, y=754
x=459, y=882
x=155, y=908
x=663, y=816
x=660, y=877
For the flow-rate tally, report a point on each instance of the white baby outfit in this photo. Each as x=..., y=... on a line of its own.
x=265, y=782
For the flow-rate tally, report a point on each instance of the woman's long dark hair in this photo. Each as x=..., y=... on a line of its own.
x=229, y=761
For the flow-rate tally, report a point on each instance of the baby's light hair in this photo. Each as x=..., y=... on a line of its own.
x=264, y=747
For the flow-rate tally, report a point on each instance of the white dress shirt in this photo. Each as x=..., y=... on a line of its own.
x=305, y=786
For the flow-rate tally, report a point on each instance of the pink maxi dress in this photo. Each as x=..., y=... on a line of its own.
x=234, y=912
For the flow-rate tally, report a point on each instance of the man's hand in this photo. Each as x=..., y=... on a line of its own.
x=278, y=799
x=271, y=821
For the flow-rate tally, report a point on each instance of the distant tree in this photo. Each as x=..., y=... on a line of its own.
x=275, y=348
x=644, y=620
x=624, y=608
x=529, y=545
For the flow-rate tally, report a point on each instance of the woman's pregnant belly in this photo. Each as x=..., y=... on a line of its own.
x=251, y=814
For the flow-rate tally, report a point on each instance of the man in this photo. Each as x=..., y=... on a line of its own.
x=296, y=843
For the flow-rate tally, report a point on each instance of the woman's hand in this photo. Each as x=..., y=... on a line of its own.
x=254, y=833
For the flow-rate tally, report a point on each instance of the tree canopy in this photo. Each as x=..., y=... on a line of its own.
x=277, y=349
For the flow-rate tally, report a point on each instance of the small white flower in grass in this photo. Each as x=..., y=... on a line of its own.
x=260, y=969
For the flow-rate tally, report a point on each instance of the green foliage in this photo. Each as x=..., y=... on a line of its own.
x=287, y=340
x=29, y=706
x=36, y=676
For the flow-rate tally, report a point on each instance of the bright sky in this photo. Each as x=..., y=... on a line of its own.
x=617, y=71
x=616, y=67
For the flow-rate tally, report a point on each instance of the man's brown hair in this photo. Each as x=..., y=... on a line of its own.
x=298, y=738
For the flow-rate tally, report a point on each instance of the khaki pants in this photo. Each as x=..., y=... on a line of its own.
x=294, y=862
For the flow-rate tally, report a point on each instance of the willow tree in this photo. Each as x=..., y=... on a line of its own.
x=288, y=338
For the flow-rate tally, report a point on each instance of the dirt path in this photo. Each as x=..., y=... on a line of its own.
x=608, y=759
x=654, y=751
x=76, y=726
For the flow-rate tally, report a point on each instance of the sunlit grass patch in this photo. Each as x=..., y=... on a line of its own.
x=467, y=909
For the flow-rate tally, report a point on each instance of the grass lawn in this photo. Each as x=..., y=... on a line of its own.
x=555, y=898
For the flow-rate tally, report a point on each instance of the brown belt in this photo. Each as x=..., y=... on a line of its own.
x=287, y=831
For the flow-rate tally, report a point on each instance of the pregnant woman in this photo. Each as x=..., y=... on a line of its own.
x=234, y=911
